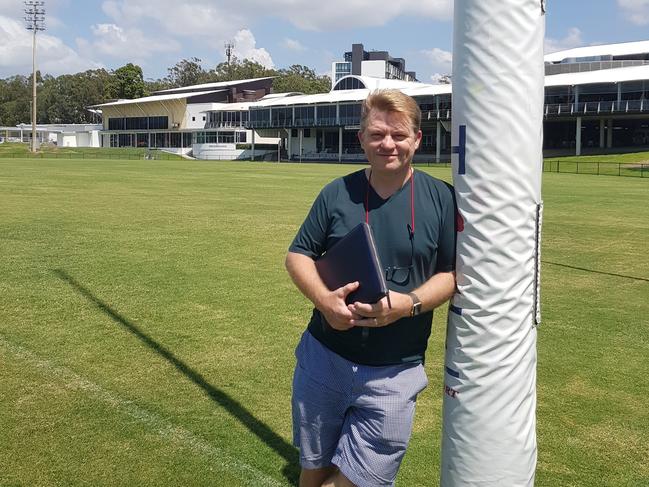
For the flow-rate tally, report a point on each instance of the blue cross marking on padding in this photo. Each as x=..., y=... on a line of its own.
x=460, y=150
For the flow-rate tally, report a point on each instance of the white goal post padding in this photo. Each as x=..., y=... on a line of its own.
x=489, y=412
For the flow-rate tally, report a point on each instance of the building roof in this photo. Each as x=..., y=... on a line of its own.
x=149, y=99
x=411, y=88
x=620, y=49
x=280, y=95
x=210, y=86
x=380, y=83
x=614, y=75
x=55, y=127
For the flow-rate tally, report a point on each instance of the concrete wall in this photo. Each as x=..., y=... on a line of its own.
x=194, y=111
x=308, y=145
x=225, y=152
x=375, y=69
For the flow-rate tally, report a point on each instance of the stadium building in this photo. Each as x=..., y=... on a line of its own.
x=176, y=119
x=375, y=64
x=596, y=100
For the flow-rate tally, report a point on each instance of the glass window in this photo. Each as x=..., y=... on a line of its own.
x=349, y=83
x=633, y=90
x=444, y=102
x=259, y=117
x=282, y=116
x=225, y=137
x=555, y=95
x=116, y=123
x=304, y=115
x=350, y=114
x=326, y=114
x=598, y=92
x=158, y=123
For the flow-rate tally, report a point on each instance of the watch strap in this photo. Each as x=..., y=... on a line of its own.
x=416, y=304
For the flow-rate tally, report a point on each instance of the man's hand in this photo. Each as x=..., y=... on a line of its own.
x=379, y=313
x=331, y=304
x=335, y=310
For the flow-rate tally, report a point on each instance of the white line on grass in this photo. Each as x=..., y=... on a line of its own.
x=161, y=427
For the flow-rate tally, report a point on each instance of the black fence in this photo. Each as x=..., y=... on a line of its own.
x=108, y=154
x=600, y=168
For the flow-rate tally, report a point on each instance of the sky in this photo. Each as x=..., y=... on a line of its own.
x=156, y=34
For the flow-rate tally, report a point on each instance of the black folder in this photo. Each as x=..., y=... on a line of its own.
x=354, y=258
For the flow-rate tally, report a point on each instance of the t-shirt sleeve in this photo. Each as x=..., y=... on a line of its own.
x=311, y=238
x=447, y=240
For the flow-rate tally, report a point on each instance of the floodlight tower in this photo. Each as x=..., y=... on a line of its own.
x=35, y=21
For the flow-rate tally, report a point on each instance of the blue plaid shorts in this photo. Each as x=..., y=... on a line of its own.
x=356, y=417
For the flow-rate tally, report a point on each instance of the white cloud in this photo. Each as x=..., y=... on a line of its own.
x=440, y=62
x=337, y=14
x=135, y=30
x=125, y=44
x=573, y=39
x=293, y=45
x=198, y=18
x=11, y=6
x=52, y=55
x=637, y=11
x=217, y=17
x=245, y=48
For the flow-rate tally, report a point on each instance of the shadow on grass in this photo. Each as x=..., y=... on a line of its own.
x=284, y=449
x=596, y=272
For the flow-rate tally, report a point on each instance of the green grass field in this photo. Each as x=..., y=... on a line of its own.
x=147, y=326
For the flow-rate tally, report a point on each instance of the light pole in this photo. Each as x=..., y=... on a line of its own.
x=35, y=21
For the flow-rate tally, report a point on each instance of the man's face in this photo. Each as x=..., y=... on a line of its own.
x=389, y=141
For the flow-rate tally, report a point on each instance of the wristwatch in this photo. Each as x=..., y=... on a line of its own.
x=416, y=305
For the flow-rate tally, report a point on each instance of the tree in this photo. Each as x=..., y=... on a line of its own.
x=156, y=85
x=302, y=79
x=240, y=69
x=65, y=99
x=186, y=73
x=15, y=100
x=126, y=82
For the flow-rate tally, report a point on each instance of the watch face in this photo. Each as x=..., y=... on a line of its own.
x=416, y=304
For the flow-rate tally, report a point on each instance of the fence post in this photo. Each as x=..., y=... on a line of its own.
x=618, y=168
x=558, y=164
x=598, y=168
x=577, y=167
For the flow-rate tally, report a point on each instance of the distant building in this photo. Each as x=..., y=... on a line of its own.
x=596, y=100
x=594, y=58
x=176, y=119
x=374, y=64
x=61, y=135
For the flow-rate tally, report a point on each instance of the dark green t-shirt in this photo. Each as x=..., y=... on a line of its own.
x=339, y=207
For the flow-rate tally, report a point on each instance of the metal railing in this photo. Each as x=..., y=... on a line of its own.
x=596, y=108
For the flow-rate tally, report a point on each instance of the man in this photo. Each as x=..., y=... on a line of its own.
x=360, y=366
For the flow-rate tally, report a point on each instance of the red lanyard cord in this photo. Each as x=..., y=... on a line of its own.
x=411, y=227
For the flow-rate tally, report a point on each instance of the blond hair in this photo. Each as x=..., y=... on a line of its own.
x=391, y=101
